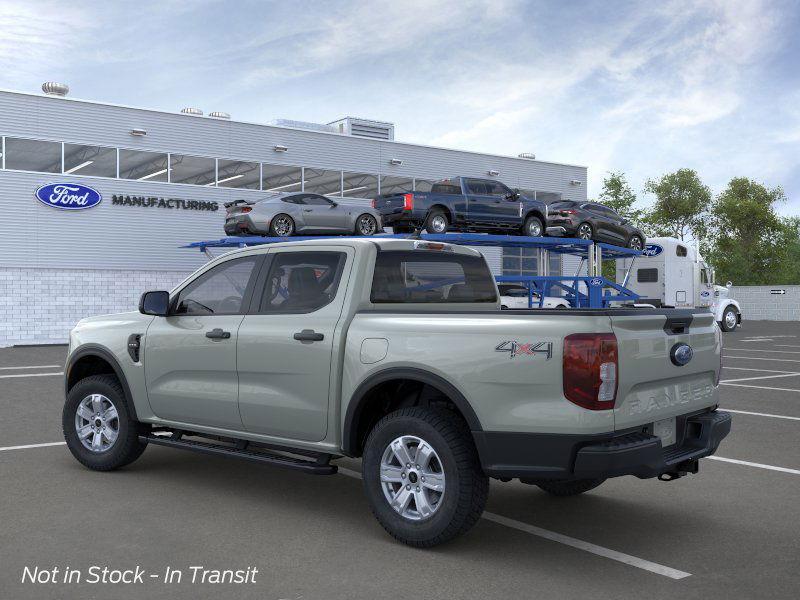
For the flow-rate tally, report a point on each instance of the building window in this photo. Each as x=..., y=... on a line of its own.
x=194, y=170
x=396, y=185
x=33, y=155
x=143, y=166
x=96, y=161
x=280, y=178
x=321, y=181
x=359, y=185
x=237, y=174
x=520, y=261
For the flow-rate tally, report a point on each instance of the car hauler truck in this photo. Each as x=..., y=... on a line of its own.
x=671, y=273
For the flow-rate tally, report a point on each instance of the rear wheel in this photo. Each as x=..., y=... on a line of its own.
x=366, y=225
x=533, y=227
x=730, y=320
x=422, y=476
x=584, y=231
x=281, y=226
x=437, y=221
x=98, y=424
x=569, y=488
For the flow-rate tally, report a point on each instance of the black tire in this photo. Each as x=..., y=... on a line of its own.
x=466, y=485
x=569, y=488
x=726, y=318
x=276, y=220
x=533, y=227
x=127, y=447
x=584, y=227
x=359, y=229
x=636, y=242
x=434, y=218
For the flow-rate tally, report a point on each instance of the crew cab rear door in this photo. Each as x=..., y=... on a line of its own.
x=653, y=385
x=285, y=344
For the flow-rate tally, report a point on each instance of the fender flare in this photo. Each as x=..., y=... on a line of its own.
x=107, y=356
x=357, y=401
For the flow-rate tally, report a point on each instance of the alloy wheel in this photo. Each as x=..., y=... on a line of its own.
x=97, y=423
x=366, y=225
x=635, y=243
x=412, y=478
x=283, y=226
x=439, y=224
x=585, y=232
x=730, y=319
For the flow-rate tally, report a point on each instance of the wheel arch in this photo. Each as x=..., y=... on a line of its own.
x=93, y=359
x=366, y=397
x=535, y=212
x=447, y=211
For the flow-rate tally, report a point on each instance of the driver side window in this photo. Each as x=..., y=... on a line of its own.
x=218, y=291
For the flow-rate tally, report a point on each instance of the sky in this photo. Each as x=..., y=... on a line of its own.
x=639, y=87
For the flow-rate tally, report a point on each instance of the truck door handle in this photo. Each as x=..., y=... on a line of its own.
x=308, y=335
x=218, y=334
x=307, y=210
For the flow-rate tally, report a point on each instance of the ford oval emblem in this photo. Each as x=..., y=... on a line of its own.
x=68, y=196
x=595, y=282
x=652, y=250
x=681, y=354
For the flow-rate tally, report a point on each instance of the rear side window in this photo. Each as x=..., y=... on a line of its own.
x=647, y=275
x=421, y=276
x=446, y=186
x=478, y=187
x=301, y=282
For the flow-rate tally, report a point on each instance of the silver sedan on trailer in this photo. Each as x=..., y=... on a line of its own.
x=300, y=213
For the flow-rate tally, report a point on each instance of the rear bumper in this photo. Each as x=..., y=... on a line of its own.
x=633, y=452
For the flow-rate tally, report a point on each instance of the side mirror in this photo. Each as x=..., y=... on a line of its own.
x=154, y=303
x=334, y=204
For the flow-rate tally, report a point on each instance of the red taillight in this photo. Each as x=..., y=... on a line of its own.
x=590, y=370
x=568, y=212
x=408, y=201
x=246, y=209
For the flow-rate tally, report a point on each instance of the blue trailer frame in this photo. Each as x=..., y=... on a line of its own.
x=599, y=291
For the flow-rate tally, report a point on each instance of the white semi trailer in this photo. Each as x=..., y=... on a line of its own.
x=671, y=273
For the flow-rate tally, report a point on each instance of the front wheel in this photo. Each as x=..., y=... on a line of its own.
x=366, y=225
x=422, y=476
x=533, y=227
x=730, y=320
x=99, y=428
x=635, y=243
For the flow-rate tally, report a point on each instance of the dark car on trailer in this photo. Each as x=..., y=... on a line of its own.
x=593, y=221
x=464, y=204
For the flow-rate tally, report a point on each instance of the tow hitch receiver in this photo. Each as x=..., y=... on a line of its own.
x=684, y=468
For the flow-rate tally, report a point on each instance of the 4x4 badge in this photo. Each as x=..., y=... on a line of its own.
x=515, y=348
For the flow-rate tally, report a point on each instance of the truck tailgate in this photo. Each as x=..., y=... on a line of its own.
x=651, y=386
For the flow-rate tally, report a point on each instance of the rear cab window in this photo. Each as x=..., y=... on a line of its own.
x=431, y=277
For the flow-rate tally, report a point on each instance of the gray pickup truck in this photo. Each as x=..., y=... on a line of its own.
x=395, y=351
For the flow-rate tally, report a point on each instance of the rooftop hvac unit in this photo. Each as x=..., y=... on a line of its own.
x=192, y=111
x=303, y=125
x=376, y=130
x=219, y=115
x=51, y=88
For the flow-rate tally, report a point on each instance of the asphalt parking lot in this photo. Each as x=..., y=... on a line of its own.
x=733, y=531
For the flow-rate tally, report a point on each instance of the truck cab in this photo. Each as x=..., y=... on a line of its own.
x=670, y=272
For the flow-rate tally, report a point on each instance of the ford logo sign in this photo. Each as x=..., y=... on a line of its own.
x=705, y=293
x=595, y=282
x=652, y=250
x=681, y=354
x=68, y=196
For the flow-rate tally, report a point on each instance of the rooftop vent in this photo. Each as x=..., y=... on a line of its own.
x=303, y=125
x=51, y=88
x=377, y=130
x=219, y=115
x=527, y=155
x=192, y=111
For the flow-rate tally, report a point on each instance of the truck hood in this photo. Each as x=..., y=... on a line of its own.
x=121, y=319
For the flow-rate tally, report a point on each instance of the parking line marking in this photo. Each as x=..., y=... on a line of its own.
x=755, y=350
x=752, y=464
x=760, y=377
x=30, y=375
x=33, y=446
x=752, y=369
x=746, y=412
x=757, y=358
x=760, y=387
x=31, y=367
x=627, y=559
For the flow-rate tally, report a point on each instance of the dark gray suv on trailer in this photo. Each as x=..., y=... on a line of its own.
x=593, y=221
x=287, y=214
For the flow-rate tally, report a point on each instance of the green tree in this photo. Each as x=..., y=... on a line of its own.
x=618, y=195
x=681, y=205
x=749, y=243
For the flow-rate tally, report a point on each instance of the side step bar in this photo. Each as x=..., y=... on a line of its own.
x=319, y=467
